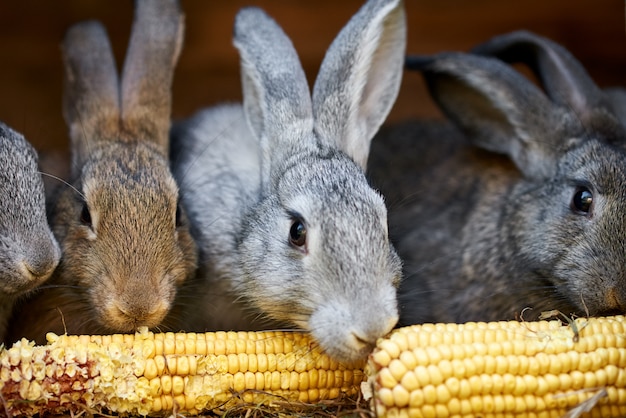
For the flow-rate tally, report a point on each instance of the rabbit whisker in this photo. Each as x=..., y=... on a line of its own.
x=52, y=176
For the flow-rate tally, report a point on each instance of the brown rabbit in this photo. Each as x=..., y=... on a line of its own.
x=520, y=201
x=125, y=242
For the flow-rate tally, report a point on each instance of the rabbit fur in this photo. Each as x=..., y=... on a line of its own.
x=29, y=251
x=289, y=230
x=125, y=240
x=517, y=201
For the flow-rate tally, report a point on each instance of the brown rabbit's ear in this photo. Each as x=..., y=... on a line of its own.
x=91, y=88
x=499, y=109
x=563, y=77
x=154, y=48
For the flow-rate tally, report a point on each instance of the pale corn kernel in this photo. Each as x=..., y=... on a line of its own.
x=178, y=385
x=391, y=348
x=397, y=369
x=416, y=398
x=385, y=377
x=382, y=358
x=166, y=384
x=430, y=394
x=409, y=381
x=401, y=396
x=385, y=396
x=476, y=383
x=157, y=404
x=435, y=374
x=160, y=364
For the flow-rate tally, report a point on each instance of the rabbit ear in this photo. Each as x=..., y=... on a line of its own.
x=564, y=79
x=360, y=77
x=153, y=50
x=276, y=95
x=91, y=88
x=497, y=108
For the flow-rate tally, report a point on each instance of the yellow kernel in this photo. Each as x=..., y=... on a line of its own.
x=443, y=394
x=421, y=373
x=182, y=365
x=239, y=382
x=233, y=363
x=155, y=387
x=430, y=394
x=150, y=371
x=590, y=380
x=409, y=381
x=381, y=358
x=385, y=395
x=262, y=363
x=476, y=384
x=401, y=396
x=178, y=385
x=408, y=358
x=454, y=407
x=391, y=348
x=435, y=374
x=397, y=369
x=584, y=363
x=453, y=384
x=385, y=378
x=416, y=399
x=166, y=384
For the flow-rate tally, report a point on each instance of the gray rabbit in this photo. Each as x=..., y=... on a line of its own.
x=520, y=202
x=125, y=241
x=29, y=253
x=288, y=227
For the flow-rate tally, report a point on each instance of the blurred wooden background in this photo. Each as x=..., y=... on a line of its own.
x=208, y=72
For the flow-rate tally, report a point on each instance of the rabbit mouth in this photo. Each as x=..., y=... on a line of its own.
x=130, y=318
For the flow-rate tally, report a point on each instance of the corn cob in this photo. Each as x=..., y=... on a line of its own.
x=513, y=369
x=146, y=373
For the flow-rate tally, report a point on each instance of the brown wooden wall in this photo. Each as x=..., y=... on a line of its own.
x=31, y=30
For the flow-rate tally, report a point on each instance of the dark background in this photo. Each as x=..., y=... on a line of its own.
x=208, y=72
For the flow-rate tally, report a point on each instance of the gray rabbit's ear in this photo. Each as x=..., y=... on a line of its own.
x=360, y=77
x=498, y=108
x=563, y=77
x=276, y=95
x=153, y=51
x=91, y=88
x=617, y=97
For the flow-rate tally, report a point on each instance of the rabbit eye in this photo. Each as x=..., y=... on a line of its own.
x=297, y=233
x=582, y=201
x=85, y=216
x=178, y=216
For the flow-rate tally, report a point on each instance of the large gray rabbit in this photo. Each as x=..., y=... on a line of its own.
x=29, y=253
x=288, y=227
x=126, y=246
x=520, y=203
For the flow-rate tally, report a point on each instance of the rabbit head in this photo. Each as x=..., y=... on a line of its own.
x=315, y=250
x=30, y=252
x=125, y=240
x=561, y=225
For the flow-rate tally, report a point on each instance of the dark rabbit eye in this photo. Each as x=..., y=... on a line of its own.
x=582, y=201
x=178, y=216
x=85, y=216
x=297, y=233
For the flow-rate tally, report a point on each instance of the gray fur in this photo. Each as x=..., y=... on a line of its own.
x=122, y=268
x=29, y=250
x=486, y=234
x=244, y=187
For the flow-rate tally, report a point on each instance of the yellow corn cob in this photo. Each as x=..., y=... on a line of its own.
x=187, y=373
x=513, y=369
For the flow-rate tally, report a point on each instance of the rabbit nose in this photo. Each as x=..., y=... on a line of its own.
x=368, y=336
x=41, y=261
x=141, y=314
